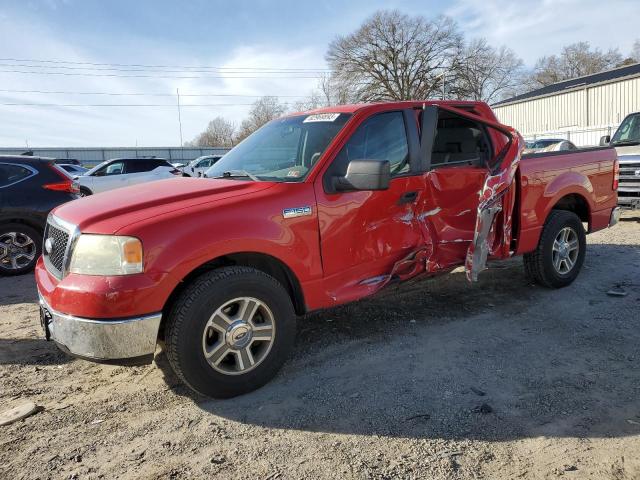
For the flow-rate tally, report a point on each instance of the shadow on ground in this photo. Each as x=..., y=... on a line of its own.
x=498, y=360
x=18, y=289
x=30, y=351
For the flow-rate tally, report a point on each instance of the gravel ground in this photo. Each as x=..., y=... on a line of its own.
x=433, y=379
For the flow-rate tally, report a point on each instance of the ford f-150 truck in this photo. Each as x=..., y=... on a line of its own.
x=626, y=141
x=313, y=210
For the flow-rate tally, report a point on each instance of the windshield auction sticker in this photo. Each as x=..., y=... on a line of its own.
x=321, y=117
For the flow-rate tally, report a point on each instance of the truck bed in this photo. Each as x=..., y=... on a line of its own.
x=579, y=180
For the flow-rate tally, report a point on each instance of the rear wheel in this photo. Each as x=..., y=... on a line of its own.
x=230, y=331
x=558, y=258
x=20, y=247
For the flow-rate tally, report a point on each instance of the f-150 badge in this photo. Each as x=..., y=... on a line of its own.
x=296, y=212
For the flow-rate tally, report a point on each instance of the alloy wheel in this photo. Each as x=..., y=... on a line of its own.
x=565, y=250
x=238, y=336
x=17, y=250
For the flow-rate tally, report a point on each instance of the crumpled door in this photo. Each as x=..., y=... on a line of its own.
x=494, y=221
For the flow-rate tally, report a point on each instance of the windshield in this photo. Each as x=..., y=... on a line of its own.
x=628, y=131
x=284, y=150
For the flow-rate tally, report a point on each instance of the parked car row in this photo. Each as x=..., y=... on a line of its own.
x=122, y=172
x=197, y=167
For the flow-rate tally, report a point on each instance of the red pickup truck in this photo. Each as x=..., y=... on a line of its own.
x=313, y=210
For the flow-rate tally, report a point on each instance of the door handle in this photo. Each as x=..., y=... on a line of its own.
x=408, y=197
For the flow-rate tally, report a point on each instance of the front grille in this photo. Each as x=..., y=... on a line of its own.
x=55, y=257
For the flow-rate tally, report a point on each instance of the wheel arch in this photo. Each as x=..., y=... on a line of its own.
x=24, y=221
x=260, y=261
x=576, y=203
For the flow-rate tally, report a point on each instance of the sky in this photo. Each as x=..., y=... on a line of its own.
x=212, y=48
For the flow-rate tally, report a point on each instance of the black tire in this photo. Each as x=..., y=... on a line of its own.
x=85, y=192
x=539, y=264
x=187, y=324
x=22, y=232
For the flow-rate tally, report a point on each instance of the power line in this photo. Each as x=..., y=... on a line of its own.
x=116, y=69
x=152, y=76
x=124, y=104
x=68, y=62
x=140, y=94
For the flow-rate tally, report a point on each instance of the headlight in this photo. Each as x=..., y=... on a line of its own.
x=106, y=255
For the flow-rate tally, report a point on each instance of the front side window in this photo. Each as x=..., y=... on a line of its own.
x=381, y=137
x=115, y=168
x=284, y=150
x=628, y=132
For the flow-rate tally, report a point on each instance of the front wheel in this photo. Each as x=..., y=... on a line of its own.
x=558, y=258
x=84, y=192
x=230, y=331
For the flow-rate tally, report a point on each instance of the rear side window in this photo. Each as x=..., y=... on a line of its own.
x=10, y=174
x=142, y=165
x=459, y=141
x=381, y=137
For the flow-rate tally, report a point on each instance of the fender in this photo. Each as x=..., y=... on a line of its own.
x=569, y=183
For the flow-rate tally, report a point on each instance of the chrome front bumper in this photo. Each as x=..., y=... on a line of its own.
x=101, y=340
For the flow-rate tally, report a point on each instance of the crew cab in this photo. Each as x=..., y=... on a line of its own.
x=313, y=210
x=626, y=141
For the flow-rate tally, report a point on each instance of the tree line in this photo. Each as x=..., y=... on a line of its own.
x=394, y=56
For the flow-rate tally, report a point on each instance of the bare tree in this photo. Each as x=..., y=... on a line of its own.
x=482, y=72
x=263, y=110
x=392, y=56
x=575, y=60
x=219, y=133
x=635, y=51
x=314, y=100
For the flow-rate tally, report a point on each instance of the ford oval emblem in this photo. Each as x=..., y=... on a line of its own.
x=48, y=245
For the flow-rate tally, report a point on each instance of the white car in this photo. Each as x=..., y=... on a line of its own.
x=197, y=167
x=73, y=170
x=122, y=172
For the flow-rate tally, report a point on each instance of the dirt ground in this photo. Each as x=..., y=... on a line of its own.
x=433, y=379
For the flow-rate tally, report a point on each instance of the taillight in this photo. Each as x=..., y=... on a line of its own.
x=616, y=174
x=66, y=186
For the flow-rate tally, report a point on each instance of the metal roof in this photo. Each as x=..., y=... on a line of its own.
x=580, y=82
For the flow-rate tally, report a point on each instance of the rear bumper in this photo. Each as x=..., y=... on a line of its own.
x=629, y=202
x=615, y=216
x=102, y=340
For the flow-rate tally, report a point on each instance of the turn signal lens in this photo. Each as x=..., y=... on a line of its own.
x=616, y=174
x=132, y=251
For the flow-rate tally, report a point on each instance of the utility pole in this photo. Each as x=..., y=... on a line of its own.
x=444, y=83
x=179, y=116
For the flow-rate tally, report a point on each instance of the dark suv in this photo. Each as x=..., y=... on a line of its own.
x=30, y=187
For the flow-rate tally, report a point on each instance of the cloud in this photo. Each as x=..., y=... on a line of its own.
x=24, y=37
x=536, y=28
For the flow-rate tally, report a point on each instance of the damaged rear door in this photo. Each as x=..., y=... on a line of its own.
x=470, y=188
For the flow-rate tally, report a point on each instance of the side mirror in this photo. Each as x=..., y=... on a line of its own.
x=364, y=175
x=605, y=140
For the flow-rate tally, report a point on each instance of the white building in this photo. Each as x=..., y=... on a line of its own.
x=582, y=109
